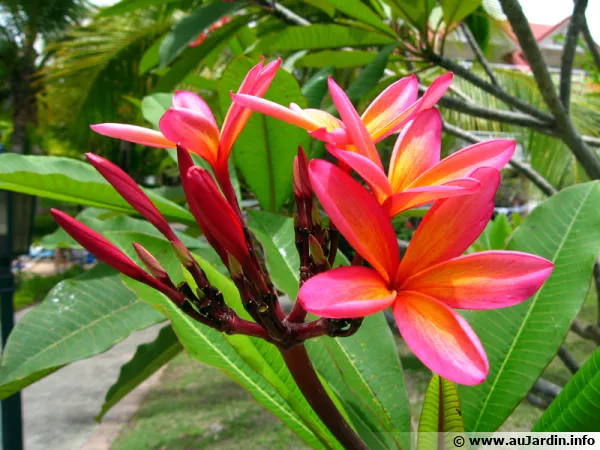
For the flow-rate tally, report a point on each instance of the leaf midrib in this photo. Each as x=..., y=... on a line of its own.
x=75, y=332
x=525, y=319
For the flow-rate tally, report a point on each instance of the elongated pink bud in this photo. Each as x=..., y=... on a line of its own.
x=102, y=249
x=152, y=264
x=132, y=193
x=185, y=163
x=215, y=216
x=302, y=187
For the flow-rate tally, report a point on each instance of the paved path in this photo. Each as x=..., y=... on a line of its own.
x=59, y=410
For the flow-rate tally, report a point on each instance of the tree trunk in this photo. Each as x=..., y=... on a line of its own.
x=25, y=106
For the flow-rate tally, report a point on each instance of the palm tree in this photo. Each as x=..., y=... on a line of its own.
x=24, y=24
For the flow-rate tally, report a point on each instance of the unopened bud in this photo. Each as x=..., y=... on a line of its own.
x=316, y=251
x=315, y=217
x=296, y=221
x=151, y=263
x=183, y=254
x=235, y=268
x=301, y=180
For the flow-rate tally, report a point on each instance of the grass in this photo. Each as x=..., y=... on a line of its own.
x=32, y=289
x=197, y=407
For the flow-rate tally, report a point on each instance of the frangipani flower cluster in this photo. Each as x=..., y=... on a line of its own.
x=191, y=123
x=423, y=288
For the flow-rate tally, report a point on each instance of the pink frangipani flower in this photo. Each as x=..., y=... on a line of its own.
x=190, y=122
x=416, y=175
x=433, y=277
x=385, y=115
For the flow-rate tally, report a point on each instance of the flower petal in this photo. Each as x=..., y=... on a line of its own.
x=485, y=280
x=451, y=226
x=357, y=215
x=412, y=198
x=429, y=99
x=194, y=131
x=190, y=100
x=367, y=169
x=256, y=83
x=441, y=338
x=417, y=149
x=132, y=133
x=494, y=153
x=274, y=110
x=435, y=91
x=346, y=292
x=355, y=128
x=384, y=111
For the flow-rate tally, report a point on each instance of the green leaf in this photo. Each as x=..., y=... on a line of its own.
x=441, y=414
x=321, y=36
x=316, y=87
x=415, y=11
x=146, y=361
x=188, y=29
x=358, y=10
x=479, y=22
x=154, y=106
x=73, y=181
x=326, y=8
x=371, y=74
x=521, y=340
x=577, y=407
x=253, y=363
x=79, y=318
x=150, y=58
x=456, y=10
x=264, y=152
x=500, y=232
x=370, y=384
x=340, y=59
x=276, y=234
x=127, y=6
x=191, y=58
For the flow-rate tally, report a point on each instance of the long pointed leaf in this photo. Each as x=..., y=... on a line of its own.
x=577, y=407
x=72, y=181
x=440, y=414
x=521, y=340
x=79, y=318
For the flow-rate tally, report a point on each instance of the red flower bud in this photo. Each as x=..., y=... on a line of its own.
x=152, y=265
x=215, y=216
x=102, y=249
x=302, y=187
x=132, y=193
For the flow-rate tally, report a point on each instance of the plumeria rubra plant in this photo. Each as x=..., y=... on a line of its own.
x=432, y=278
x=326, y=364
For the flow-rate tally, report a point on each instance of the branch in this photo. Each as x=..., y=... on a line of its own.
x=479, y=54
x=569, y=49
x=566, y=131
x=284, y=13
x=496, y=91
x=537, y=179
x=587, y=35
x=591, y=332
x=499, y=115
x=310, y=385
x=568, y=360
